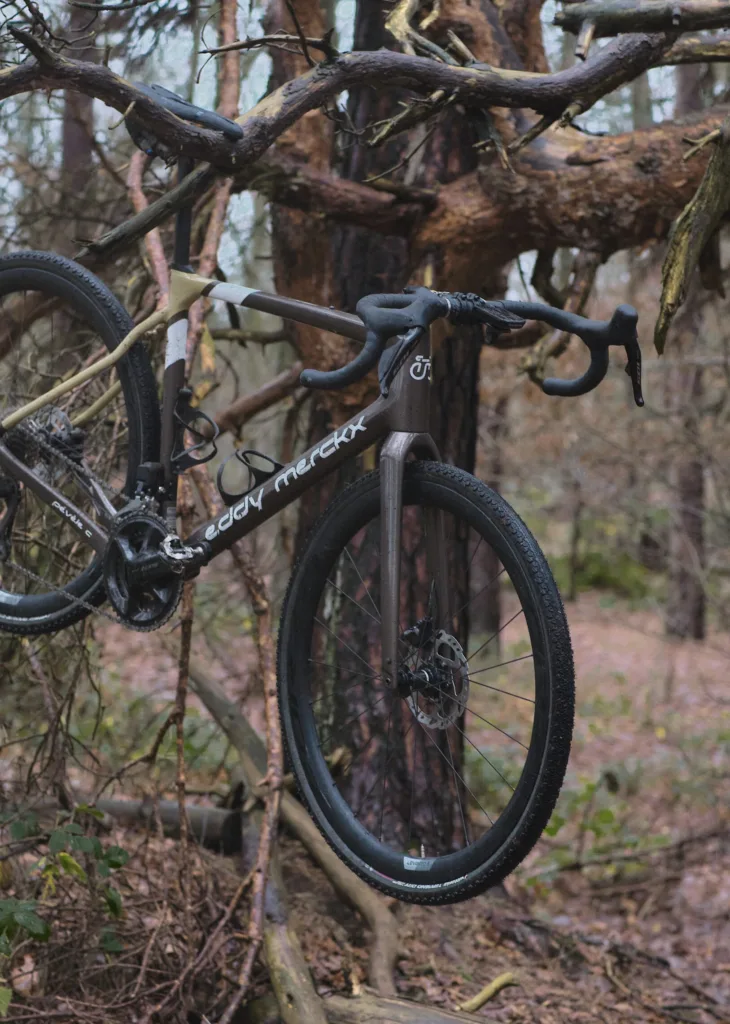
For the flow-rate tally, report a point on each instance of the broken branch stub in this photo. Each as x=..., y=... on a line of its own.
x=692, y=231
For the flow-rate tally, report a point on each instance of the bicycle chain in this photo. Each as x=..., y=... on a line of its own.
x=72, y=600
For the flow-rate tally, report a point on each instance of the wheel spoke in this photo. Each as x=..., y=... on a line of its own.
x=352, y=600
x=372, y=602
x=495, y=635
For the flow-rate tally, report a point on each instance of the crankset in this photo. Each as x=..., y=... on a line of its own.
x=142, y=587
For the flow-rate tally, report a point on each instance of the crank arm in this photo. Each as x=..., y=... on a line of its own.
x=91, y=532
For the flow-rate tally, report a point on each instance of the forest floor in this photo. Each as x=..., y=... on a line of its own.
x=630, y=937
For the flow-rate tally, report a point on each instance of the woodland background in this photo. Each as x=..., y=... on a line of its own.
x=622, y=911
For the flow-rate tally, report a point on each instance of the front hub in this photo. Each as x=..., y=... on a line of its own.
x=436, y=688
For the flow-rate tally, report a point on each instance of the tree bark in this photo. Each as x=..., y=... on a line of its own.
x=686, y=604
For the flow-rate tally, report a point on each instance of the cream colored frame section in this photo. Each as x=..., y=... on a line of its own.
x=185, y=289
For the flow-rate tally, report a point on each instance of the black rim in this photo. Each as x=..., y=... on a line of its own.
x=452, y=746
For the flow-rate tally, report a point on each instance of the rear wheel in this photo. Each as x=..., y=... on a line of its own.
x=55, y=319
x=435, y=788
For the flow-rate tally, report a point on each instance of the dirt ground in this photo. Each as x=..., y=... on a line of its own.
x=632, y=936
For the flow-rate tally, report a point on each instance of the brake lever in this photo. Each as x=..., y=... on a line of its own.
x=633, y=369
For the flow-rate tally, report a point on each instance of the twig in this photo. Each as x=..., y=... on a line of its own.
x=300, y=33
x=324, y=44
x=488, y=992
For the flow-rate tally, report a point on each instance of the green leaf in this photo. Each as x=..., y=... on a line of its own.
x=93, y=811
x=116, y=857
x=6, y=995
x=33, y=924
x=554, y=825
x=110, y=941
x=605, y=815
x=73, y=828
x=58, y=841
x=113, y=901
x=5, y=948
x=72, y=867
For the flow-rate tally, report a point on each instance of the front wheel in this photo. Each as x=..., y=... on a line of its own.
x=434, y=788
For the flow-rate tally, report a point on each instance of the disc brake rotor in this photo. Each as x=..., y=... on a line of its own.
x=442, y=697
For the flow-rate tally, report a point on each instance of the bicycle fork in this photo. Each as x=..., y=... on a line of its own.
x=410, y=408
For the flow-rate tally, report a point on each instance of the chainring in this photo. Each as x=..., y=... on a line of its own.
x=136, y=537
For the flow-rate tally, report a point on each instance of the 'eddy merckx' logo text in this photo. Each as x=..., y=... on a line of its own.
x=292, y=472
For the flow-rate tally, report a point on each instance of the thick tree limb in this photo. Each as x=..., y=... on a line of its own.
x=603, y=195
x=691, y=232
x=610, y=17
x=698, y=49
x=550, y=200
x=479, y=85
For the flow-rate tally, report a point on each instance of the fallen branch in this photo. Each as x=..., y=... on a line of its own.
x=251, y=751
x=371, y=1009
x=698, y=49
x=488, y=992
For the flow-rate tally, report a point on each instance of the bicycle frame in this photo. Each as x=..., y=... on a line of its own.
x=400, y=419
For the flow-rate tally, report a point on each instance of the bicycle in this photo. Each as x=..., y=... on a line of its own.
x=463, y=751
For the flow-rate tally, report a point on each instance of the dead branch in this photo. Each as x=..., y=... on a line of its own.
x=372, y=1009
x=296, y=996
x=229, y=88
x=246, y=407
x=384, y=946
x=477, y=85
x=488, y=992
x=153, y=239
x=692, y=231
x=277, y=39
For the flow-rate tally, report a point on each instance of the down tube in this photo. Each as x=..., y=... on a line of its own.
x=286, y=485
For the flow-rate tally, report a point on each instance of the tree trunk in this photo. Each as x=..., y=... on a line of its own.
x=77, y=135
x=686, y=605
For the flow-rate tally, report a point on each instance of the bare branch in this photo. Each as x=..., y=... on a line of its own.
x=243, y=409
x=324, y=44
x=477, y=85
